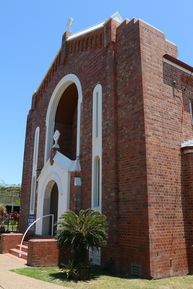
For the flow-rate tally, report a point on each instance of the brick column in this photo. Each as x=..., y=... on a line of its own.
x=75, y=192
x=187, y=201
x=72, y=192
x=43, y=252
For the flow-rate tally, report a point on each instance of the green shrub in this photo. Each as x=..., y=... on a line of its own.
x=82, y=231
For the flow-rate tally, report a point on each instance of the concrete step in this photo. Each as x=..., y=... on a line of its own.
x=15, y=252
x=24, y=248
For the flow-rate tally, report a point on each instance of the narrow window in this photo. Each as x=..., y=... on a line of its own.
x=97, y=148
x=96, y=203
x=34, y=171
x=32, y=201
x=97, y=115
x=97, y=111
x=191, y=109
x=96, y=192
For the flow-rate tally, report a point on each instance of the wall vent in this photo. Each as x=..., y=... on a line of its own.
x=135, y=270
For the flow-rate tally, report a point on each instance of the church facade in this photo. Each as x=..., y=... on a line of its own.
x=111, y=127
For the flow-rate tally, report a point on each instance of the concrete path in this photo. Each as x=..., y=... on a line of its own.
x=11, y=280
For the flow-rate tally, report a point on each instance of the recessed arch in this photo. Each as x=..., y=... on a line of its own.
x=50, y=206
x=63, y=84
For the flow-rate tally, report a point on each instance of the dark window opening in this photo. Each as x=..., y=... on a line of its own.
x=66, y=121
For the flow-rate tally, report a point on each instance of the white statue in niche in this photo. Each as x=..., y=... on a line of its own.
x=56, y=137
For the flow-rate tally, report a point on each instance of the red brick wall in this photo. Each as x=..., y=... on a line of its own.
x=9, y=241
x=132, y=197
x=77, y=60
x=27, y=171
x=167, y=124
x=72, y=192
x=43, y=252
x=145, y=119
x=187, y=202
x=80, y=59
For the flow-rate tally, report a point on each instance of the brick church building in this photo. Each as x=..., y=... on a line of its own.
x=111, y=127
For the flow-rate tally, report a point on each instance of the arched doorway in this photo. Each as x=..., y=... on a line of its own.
x=66, y=121
x=50, y=207
x=53, y=195
x=63, y=114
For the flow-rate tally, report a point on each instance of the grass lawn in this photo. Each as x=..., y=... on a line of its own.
x=103, y=281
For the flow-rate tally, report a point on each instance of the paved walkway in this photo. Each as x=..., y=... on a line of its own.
x=11, y=280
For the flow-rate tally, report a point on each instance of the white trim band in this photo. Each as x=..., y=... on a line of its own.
x=177, y=66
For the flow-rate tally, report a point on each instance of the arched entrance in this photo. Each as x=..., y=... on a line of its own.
x=66, y=121
x=53, y=193
x=50, y=207
x=63, y=113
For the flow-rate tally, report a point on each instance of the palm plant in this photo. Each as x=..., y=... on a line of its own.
x=82, y=231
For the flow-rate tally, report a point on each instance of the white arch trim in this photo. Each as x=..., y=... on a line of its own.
x=61, y=178
x=97, y=144
x=52, y=107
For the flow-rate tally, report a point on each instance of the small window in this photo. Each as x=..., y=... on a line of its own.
x=96, y=189
x=191, y=109
x=33, y=191
x=97, y=115
x=97, y=112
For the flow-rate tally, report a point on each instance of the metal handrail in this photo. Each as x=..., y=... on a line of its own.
x=52, y=232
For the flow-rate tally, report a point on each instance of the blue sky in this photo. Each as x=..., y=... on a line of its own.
x=30, y=36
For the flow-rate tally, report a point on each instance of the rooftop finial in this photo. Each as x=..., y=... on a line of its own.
x=69, y=24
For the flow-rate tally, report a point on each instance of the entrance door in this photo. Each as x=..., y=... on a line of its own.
x=54, y=206
x=50, y=207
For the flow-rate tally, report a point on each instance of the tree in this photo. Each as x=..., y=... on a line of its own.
x=82, y=231
x=6, y=194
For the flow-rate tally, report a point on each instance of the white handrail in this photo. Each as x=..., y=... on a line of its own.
x=52, y=232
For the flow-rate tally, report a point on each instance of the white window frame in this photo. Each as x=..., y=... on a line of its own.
x=97, y=147
x=34, y=170
x=97, y=183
